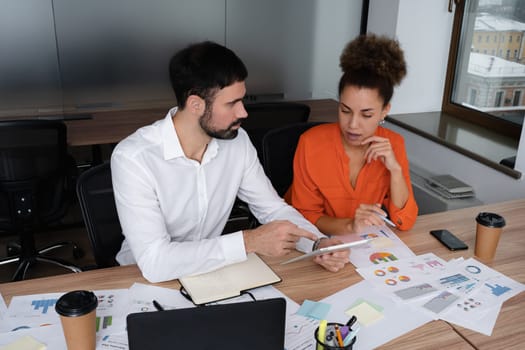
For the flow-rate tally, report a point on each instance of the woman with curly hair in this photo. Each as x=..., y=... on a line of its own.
x=352, y=174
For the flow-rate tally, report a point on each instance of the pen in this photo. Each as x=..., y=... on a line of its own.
x=351, y=321
x=338, y=336
x=387, y=220
x=157, y=306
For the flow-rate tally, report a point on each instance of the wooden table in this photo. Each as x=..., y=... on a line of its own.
x=108, y=127
x=306, y=280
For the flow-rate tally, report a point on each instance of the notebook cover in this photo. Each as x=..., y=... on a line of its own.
x=229, y=281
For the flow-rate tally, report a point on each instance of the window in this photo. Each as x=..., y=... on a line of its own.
x=517, y=98
x=468, y=70
x=472, y=98
x=499, y=99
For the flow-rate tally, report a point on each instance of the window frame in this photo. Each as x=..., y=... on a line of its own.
x=459, y=111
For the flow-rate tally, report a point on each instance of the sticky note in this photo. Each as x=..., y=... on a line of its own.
x=24, y=343
x=375, y=306
x=314, y=309
x=365, y=313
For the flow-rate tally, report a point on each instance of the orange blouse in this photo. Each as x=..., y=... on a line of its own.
x=321, y=184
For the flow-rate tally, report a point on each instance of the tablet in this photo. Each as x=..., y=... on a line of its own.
x=329, y=249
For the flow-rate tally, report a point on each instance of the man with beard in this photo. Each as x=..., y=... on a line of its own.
x=176, y=181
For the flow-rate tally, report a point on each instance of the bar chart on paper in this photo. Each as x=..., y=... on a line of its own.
x=43, y=305
x=380, y=257
x=103, y=322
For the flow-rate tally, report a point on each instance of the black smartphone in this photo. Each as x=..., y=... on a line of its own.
x=449, y=240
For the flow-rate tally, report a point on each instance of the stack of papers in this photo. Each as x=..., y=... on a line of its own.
x=31, y=319
x=464, y=292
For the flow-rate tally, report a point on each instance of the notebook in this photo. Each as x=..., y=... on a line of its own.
x=254, y=325
x=229, y=281
x=450, y=184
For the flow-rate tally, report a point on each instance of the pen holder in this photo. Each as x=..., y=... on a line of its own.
x=331, y=344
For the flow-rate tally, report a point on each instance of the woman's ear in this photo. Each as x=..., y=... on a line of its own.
x=385, y=111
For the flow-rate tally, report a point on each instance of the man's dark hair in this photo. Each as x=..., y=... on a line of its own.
x=202, y=69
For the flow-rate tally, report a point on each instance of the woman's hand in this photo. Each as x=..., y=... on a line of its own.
x=367, y=215
x=379, y=148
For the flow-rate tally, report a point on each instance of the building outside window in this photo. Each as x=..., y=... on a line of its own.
x=474, y=66
x=516, y=100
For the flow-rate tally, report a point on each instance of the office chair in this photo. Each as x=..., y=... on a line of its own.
x=265, y=116
x=97, y=203
x=35, y=189
x=278, y=150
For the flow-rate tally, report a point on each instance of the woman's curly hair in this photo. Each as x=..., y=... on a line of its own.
x=375, y=62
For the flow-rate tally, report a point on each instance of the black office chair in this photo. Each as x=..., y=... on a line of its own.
x=97, y=202
x=278, y=148
x=36, y=189
x=265, y=116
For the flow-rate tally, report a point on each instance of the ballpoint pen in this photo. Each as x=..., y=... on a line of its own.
x=387, y=220
x=157, y=306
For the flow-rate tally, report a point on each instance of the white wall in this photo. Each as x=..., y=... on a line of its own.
x=423, y=28
x=336, y=23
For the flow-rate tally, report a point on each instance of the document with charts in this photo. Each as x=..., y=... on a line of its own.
x=384, y=247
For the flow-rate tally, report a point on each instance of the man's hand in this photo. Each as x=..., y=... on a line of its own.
x=332, y=261
x=276, y=238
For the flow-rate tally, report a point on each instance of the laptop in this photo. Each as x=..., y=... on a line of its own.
x=254, y=325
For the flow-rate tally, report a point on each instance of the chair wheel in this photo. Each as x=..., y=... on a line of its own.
x=78, y=252
x=12, y=249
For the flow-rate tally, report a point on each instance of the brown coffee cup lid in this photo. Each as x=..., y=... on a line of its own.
x=76, y=303
x=490, y=220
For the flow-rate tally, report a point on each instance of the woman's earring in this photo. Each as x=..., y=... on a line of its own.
x=381, y=122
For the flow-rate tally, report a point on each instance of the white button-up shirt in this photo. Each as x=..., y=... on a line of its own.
x=173, y=209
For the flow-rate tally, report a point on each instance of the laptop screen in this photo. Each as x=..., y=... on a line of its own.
x=254, y=325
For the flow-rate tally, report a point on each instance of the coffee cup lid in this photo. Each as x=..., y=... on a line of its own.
x=490, y=220
x=76, y=303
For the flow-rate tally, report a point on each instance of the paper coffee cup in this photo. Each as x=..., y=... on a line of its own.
x=488, y=232
x=77, y=310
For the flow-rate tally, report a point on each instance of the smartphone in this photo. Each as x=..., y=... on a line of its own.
x=449, y=240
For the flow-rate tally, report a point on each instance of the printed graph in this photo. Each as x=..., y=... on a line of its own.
x=415, y=291
x=106, y=322
x=497, y=289
x=453, y=280
x=369, y=235
x=381, y=257
x=43, y=305
x=441, y=302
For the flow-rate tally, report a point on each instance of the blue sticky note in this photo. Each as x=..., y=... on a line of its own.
x=314, y=309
